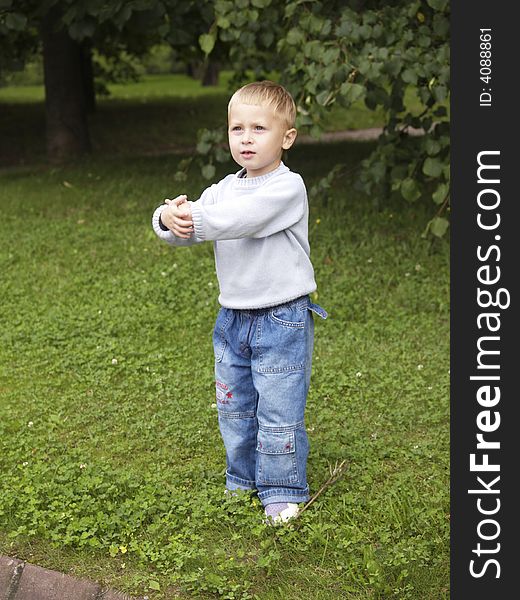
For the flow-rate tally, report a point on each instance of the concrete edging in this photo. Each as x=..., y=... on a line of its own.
x=20, y=580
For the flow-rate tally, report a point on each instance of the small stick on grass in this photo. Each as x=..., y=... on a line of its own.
x=335, y=474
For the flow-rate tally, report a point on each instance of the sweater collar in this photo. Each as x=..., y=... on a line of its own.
x=251, y=182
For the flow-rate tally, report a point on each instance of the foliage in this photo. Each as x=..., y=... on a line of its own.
x=109, y=447
x=17, y=41
x=119, y=32
x=327, y=53
x=112, y=28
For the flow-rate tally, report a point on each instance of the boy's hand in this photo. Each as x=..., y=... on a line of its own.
x=177, y=217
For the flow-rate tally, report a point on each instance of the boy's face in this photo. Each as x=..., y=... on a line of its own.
x=257, y=137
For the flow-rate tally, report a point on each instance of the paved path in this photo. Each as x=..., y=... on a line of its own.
x=361, y=135
x=22, y=581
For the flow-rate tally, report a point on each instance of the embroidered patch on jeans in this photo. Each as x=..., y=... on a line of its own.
x=223, y=393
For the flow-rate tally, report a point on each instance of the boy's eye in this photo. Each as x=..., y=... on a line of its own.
x=260, y=127
x=236, y=128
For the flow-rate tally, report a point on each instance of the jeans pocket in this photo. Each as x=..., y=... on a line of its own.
x=219, y=333
x=288, y=316
x=276, y=460
x=281, y=341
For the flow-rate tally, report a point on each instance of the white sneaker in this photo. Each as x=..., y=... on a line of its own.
x=285, y=515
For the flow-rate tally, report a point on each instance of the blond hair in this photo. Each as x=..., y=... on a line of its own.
x=270, y=93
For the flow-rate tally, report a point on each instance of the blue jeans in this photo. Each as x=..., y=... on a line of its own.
x=262, y=374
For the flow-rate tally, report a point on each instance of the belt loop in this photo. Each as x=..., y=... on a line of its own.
x=302, y=302
x=316, y=308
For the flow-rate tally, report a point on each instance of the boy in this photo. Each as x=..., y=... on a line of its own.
x=263, y=336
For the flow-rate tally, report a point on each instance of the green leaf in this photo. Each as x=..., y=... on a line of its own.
x=125, y=14
x=260, y=3
x=364, y=66
x=185, y=163
x=323, y=98
x=440, y=93
x=223, y=6
x=290, y=9
x=413, y=8
x=16, y=21
x=295, y=36
x=365, y=31
x=432, y=146
x=207, y=43
x=326, y=27
x=315, y=131
x=432, y=167
x=247, y=39
x=410, y=190
x=82, y=29
x=331, y=55
x=163, y=30
x=203, y=147
x=154, y=585
x=352, y=91
x=439, y=5
x=223, y=22
x=208, y=171
x=439, y=226
x=378, y=170
x=409, y=76
x=267, y=38
x=393, y=66
x=304, y=120
x=441, y=25
x=424, y=41
x=221, y=155
x=399, y=172
x=440, y=193
x=180, y=176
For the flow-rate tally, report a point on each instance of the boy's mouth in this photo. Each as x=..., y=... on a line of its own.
x=247, y=153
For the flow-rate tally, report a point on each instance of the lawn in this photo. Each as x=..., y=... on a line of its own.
x=111, y=460
x=179, y=104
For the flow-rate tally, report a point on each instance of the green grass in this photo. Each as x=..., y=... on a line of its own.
x=158, y=114
x=148, y=87
x=139, y=119
x=111, y=460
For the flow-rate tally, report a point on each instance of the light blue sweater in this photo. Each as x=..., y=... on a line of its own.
x=259, y=227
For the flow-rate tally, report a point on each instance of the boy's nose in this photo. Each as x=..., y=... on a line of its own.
x=246, y=138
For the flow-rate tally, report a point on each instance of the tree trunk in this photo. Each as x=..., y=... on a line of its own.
x=211, y=73
x=65, y=109
x=87, y=74
x=190, y=69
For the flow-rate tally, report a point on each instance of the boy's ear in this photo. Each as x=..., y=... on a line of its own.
x=288, y=138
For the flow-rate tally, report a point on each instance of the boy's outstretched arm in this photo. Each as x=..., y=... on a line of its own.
x=272, y=208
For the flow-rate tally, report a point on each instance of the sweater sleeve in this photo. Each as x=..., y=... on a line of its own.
x=273, y=207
